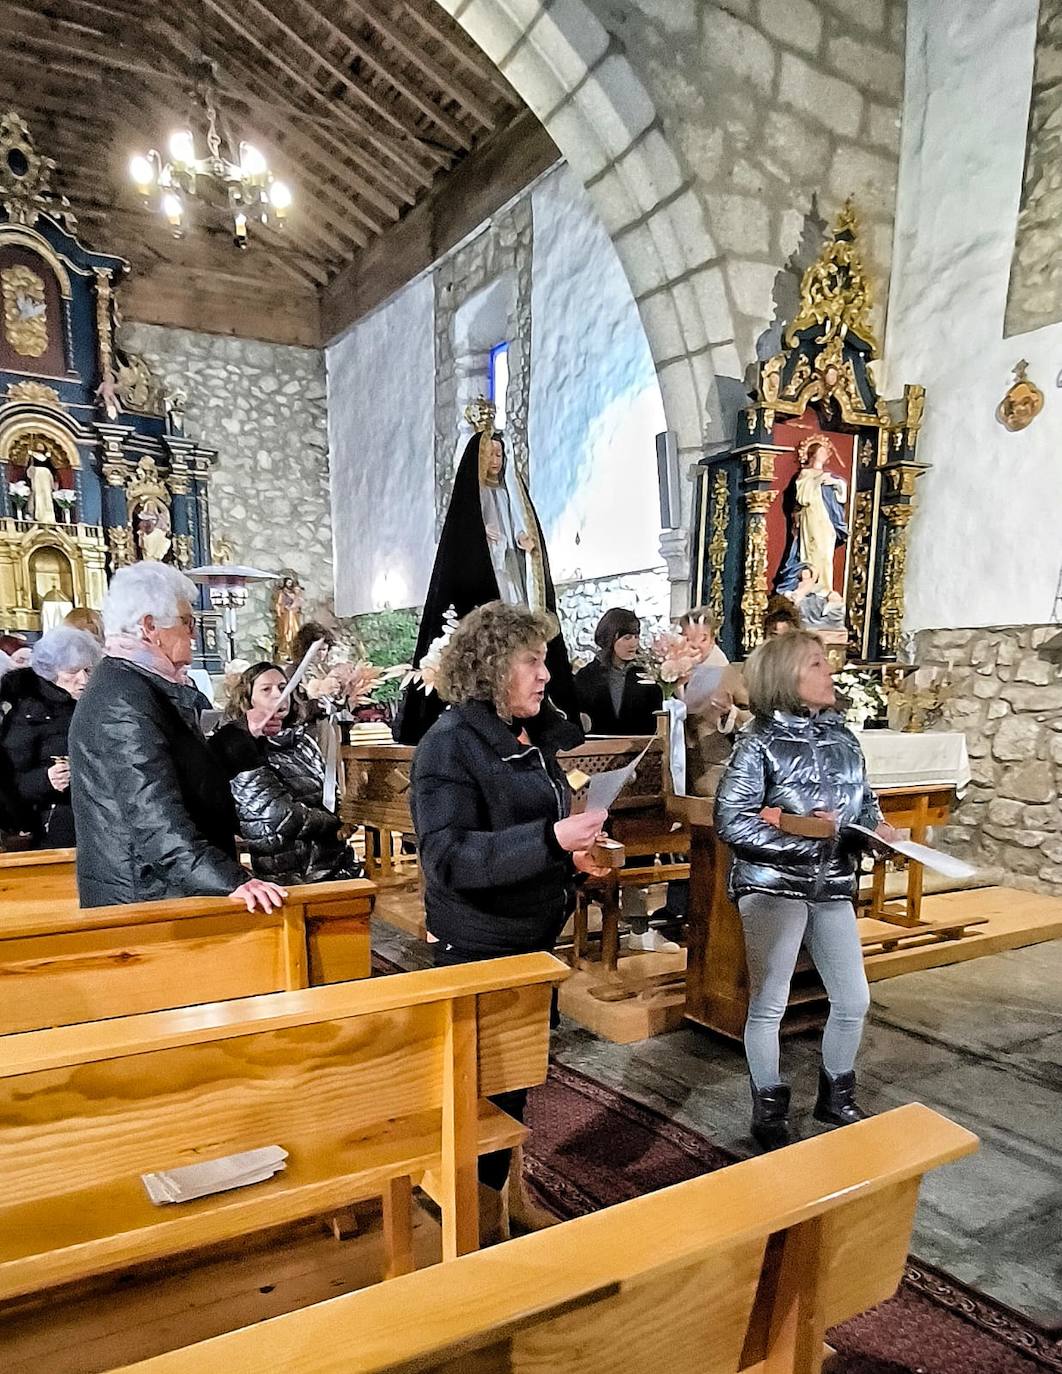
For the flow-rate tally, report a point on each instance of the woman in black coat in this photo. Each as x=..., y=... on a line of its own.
x=608, y=690
x=499, y=850
x=40, y=703
x=277, y=784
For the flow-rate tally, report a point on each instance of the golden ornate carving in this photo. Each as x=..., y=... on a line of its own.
x=717, y=542
x=220, y=548
x=104, y=323
x=859, y=576
x=34, y=393
x=895, y=572
x=1019, y=407
x=137, y=386
x=754, y=597
x=179, y=483
x=914, y=406
x=26, y=177
x=146, y=484
x=120, y=541
x=866, y=454
x=25, y=310
x=834, y=291
x=182, y=550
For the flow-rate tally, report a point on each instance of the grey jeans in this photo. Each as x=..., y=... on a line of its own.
x=775, y=928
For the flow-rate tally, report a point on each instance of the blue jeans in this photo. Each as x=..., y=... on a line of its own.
x=775, y=928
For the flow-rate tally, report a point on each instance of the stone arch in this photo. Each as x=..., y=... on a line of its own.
x=566, y=68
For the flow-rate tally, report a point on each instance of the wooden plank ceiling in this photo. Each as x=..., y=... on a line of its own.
x=362, y=106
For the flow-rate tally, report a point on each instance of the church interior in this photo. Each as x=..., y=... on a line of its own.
x=440, y=443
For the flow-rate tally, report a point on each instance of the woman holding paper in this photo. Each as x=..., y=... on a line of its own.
x=797, y=758
x=499, y=849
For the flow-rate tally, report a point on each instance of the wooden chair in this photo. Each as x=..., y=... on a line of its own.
x=741, y=1270
x=60, y=965
x=372, y=1087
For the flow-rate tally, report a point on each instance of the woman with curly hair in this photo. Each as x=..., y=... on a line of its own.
x=277, y=781
x=499, y=849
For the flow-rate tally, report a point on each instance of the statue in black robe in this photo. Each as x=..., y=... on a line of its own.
x=491, y=549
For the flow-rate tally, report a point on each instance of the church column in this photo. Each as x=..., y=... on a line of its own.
x=183, y=511
x=758, y=495
x=117, y=470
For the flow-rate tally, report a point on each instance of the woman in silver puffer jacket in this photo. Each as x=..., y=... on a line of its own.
x=797, y=757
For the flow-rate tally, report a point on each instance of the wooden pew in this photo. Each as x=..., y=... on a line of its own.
x=742, y=1270
x=372, y=1087
x=60, y=965
x=37, y=874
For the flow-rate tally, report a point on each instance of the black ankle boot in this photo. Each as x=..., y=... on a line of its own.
x=836, y=1104
x=770, y=1116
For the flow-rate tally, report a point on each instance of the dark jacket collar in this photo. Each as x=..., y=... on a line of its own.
x=548, y=731
x=22, y=684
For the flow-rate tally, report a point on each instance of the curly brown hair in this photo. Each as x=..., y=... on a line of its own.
x=477, y=663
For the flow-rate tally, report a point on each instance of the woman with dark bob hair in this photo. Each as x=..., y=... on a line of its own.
x=499, y=849
x=797, y=757
x=608, y=690
x=277, y=781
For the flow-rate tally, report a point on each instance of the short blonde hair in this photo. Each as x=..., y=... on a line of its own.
x=700, y=615
x=772, y=673
x=477, y=663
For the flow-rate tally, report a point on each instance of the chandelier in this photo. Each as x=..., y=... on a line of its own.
x=246, y=187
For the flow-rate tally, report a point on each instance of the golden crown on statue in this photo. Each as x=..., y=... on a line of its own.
x=480, y=414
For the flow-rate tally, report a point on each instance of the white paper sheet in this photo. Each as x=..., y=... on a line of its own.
x=935, y=859
x=214, y=1175
x=606, y=787
x=298, y=675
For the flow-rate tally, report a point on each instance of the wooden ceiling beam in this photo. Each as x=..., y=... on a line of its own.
x=413, y=52
x=463, y=50
x=385, y=146
x=345, y=79
x=32, y=32
x=392, y=74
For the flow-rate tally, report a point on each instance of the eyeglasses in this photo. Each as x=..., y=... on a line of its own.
x=190, y=622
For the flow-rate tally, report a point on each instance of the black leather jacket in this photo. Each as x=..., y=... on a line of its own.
x=154, y=814
x=278, y=784
x=33, y=734
x=801, y=764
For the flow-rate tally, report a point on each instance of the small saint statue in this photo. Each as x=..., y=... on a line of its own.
x=288, y=601
x=154, y=541
x=506, y=518
x=42, y=487
x=107, y=392
x=821, y=522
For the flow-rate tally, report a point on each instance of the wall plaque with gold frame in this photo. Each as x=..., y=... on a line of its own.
x=813, y=500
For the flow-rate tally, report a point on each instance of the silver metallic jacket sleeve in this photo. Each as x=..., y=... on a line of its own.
x=741, y=795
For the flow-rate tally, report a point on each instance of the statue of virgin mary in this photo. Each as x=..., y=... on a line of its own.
x=820, y=524
x=491, y=549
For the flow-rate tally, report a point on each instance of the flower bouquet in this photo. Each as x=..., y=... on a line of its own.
x=425, y=676
x=20, y=494
x=351, y=686
x=860, y=696
x=66, y=500
x=668, y=662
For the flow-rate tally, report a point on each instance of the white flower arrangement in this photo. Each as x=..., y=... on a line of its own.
x=64, y=497
x=21, y=490
x=425, y=676
x=863, y=697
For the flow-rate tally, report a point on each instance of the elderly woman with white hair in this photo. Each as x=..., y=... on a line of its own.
x=155, y=817
x=40, y=703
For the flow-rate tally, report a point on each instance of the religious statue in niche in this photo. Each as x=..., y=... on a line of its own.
x=1022, y=403
x=491, y=549
x=42, y=487
x=288, y=603
x=25, y=310
x=52, y=587
x=152, y=523
x=822, y=611
x=819, y=518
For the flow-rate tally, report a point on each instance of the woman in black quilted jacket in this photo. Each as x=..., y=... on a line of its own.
x=277, y=783
x=39, y=702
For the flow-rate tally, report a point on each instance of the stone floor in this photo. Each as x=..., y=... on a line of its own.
x=980, y=1041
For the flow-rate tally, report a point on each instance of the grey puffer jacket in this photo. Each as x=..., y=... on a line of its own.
x=277, y=785
x=801, y=764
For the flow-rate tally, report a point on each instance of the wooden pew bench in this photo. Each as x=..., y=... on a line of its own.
x=60, y=964
x=371, y=1087
x=35, y=875
x=741, y=1270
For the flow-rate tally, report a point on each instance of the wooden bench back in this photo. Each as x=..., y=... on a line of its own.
x=355, y=1080
x=744, y=1269
x=64, y=965
x=41, y=860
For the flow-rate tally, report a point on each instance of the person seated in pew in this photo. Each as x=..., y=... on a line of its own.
x=85, y=618
x=499, y=850
x=612, y=697
x=277, y=780
x=152, y=806
x=40, y=703
x=797, y=757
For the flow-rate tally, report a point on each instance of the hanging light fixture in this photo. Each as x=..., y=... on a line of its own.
x=246, y=186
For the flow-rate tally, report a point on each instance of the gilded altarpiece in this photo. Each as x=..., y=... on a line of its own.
x=813, y=500
x=95, y=470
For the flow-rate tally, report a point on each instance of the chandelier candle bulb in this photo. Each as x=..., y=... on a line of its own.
x=143, y=173
x=182, y=147
x=174, y=211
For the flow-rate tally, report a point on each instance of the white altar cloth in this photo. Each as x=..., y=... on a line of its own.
x=896, y=759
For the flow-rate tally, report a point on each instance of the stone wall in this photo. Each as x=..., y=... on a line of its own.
x=262, y=406
x=778, y=109
x=581, y=605
x=1008, y=702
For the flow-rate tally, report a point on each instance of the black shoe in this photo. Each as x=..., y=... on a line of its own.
x=836, y=1104
x=770, y=1116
